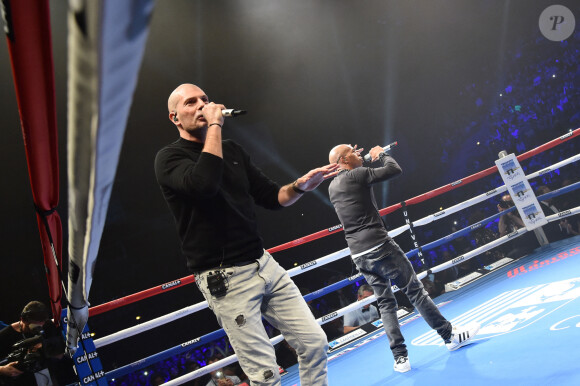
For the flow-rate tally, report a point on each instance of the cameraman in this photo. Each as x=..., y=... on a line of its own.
x=33, y=317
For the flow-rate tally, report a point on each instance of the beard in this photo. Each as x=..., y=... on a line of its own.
x=197, y=132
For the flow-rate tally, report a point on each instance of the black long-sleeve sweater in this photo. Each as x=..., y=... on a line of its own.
x=212, y=200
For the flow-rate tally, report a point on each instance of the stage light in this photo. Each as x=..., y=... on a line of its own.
x=138, y=317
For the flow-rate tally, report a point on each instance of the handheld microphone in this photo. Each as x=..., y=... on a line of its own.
x=367, y=157
x=232, y=112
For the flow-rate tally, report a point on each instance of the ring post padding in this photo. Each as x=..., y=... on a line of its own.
x=87, y=364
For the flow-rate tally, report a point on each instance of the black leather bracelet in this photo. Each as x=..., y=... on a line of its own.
x=217, y=124
x=297, y=189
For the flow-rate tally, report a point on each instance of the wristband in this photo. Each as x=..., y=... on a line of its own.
x=297, y=189
x=217, y=124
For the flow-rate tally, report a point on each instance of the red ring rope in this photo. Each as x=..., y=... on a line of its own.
x=323, y=233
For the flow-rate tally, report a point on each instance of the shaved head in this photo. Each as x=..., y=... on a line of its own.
x=178, y=93
x=336, y=152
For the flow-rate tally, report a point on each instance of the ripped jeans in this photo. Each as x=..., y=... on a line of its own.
x=264, y=289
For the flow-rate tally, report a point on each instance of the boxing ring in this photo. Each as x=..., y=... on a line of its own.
x=528, y=308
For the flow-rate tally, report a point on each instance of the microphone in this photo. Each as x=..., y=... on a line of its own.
x=367, y=157
x=232, y=112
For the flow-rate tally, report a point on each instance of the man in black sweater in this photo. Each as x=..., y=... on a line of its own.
x=211, y=186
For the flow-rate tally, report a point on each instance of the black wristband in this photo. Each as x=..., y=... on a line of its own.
x=217, y=124
x=297, y=189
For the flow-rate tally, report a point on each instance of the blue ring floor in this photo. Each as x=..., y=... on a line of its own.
x=529, y=336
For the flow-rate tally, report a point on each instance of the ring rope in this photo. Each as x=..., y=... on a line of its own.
x=488, y=171
x=325, y=260
x=477, y=199
x=337, y=228
x=333, y=287
x=140, y=295
x=156, y=322
x=478, y=224
x=433, y=193
x=335, y=256
x=193, y=343
x=458, y=260
x=275, y=340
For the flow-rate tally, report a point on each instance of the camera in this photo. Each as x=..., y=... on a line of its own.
x=32, y=353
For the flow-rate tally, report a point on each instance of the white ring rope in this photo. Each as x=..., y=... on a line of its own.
x=131, y=331
x=363, y=302
x=319, y=262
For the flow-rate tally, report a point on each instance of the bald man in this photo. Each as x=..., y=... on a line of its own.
x=211, y=186
x=376, y=255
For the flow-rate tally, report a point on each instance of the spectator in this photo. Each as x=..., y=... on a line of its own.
x=556, y=230
x=482, y=236
x=566, y=201
x=220, y=378
x=364, y=315
x=510, y=222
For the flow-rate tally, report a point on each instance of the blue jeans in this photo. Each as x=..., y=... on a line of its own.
x=388, y=263
x=264, y=289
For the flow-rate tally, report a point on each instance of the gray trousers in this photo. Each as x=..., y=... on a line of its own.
x=388, y=263
x=264, y=289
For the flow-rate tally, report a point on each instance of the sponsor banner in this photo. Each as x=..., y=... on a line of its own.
x=170, y=284
x=190, y=342
x=457, y=259
x=345, y=339
x=355, y=277
x=332, y=229
x=87, y=364
x=521, y=192
x=308, y=265
x=497, y=264
x=331, y=316
x=359, y=344
x=461, y=282
x=402, y=312
x=491, y=192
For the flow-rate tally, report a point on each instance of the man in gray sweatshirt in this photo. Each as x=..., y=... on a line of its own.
x=376, y=255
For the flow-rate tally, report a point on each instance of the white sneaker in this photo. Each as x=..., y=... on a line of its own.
x=461, y=336
x=402, y=364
